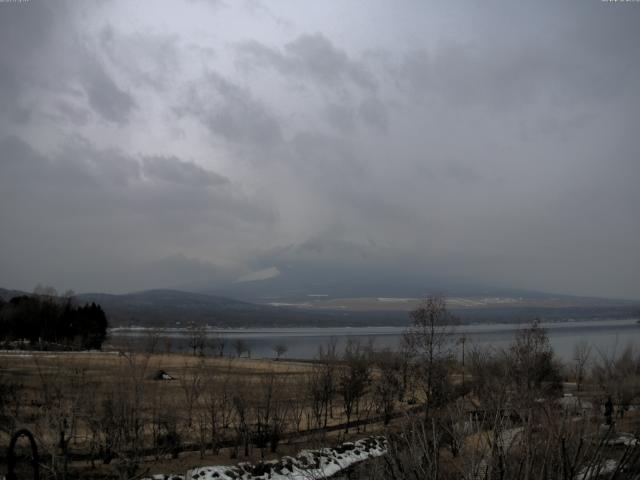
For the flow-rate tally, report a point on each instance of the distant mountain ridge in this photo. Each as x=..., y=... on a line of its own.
x=165, y=307
x=167, y=298
x=176, y=308
x=6, y=294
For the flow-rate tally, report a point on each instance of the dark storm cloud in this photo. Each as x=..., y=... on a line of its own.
x=230, y=111
x=104, y=95
x=345, y=117
x=104, y=206
x=312, y=64
x=591, y=58
x=41, y=54
x=311, y=57
x=172, y=169
x=23, y=34
x=150, y=184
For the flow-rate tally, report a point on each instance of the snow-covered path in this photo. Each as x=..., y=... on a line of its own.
x=308, y=464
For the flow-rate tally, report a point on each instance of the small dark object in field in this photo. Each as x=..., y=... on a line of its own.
x=161, y=375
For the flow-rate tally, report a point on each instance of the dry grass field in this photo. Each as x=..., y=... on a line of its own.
x=210, y=410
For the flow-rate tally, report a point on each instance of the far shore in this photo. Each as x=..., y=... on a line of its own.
x=368, y=330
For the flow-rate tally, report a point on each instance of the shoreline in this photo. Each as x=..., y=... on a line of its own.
x=366, y=330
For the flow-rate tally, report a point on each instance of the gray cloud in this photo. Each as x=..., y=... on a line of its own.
x=95, y=207
x=490, y=144
x=42, y=55
x=149, y=59
x=23, y=34
x=229, y=111
x=341, y=118
x=77, y=116
x=104, y=96
x=374, y=113
x=172, y=169
x=312, y=65
x=324, y=158
x=310, y=56
x=504, y=71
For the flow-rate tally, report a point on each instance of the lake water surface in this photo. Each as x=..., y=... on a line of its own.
x=605, y=336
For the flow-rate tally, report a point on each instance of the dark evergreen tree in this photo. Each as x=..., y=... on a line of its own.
x=45, y=319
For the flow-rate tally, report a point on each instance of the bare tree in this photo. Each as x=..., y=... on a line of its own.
x=191, y=384
x=298, y=401
x=270, y=411
x=218, y=405
x=218, y=343
x=197, y=338
x=489, y=371
x=152, y=341
x=316, y=392
x=533, y=369
x=581, y=354
x=520, y=382
x=462, y=340
x=240, y=346
x=123, y=414
x=354, y=376
x=45, y=291
x=69, y=294
x=428, y=340
x=618, y=377
x=491, y=446
x=240, y=401
x=157, y=409
x=62, y=392
x=326, y=377
x=280, y=349
x=168, y=345
x=413, y=452
x=387, y=383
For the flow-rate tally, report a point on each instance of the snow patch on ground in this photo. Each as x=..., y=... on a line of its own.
x=595, y=471
x=316, y=464
x=624, y=439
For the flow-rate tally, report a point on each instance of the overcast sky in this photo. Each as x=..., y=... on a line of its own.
x=166, y=143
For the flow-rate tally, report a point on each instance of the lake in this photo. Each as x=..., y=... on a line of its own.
x=605, y=336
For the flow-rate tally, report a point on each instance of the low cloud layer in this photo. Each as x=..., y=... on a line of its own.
x=192, y=144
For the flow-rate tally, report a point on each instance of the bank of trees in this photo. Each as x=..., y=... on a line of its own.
x=51, y=321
